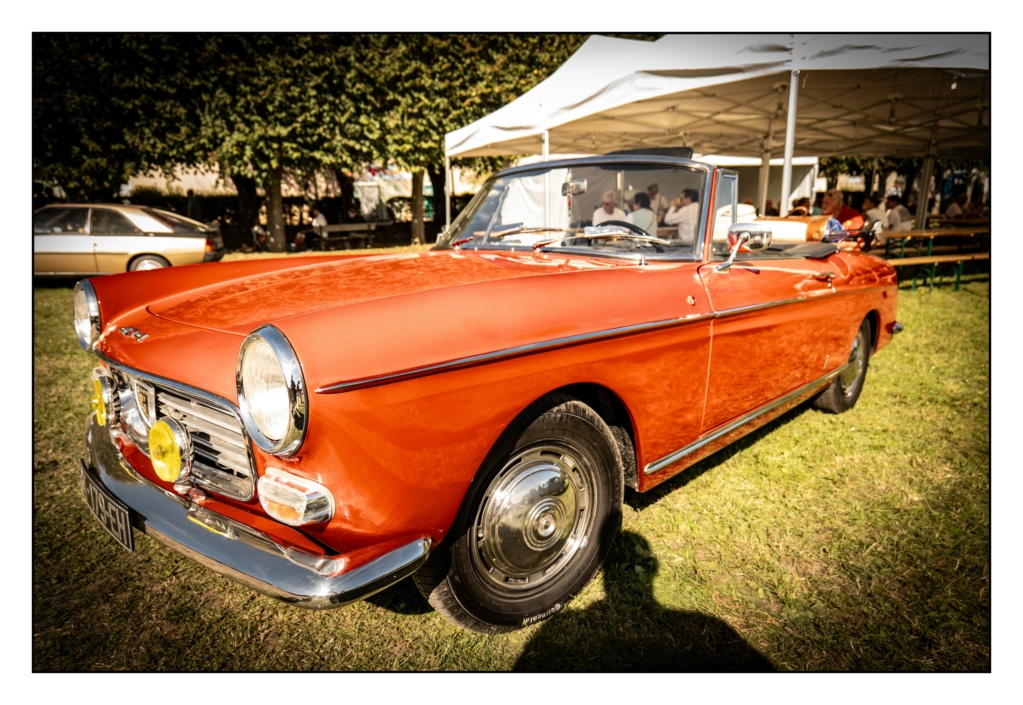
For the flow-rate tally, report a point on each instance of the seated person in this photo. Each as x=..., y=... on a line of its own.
x=685, y=212
x=641, y=215
x=608, y=210
x=834, y=205
x=800, y=206
x=957, y=209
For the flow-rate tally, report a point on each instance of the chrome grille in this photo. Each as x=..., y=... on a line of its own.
x=221, y=461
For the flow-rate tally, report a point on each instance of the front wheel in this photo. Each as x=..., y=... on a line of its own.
x=535, y=528
x=844, y=390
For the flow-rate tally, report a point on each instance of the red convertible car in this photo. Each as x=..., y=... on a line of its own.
x=319, y=428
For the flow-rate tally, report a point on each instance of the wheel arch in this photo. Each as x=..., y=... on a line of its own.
x=147, y=255
x=873, y=317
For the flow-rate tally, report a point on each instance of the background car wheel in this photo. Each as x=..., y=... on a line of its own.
x=844, y=390
x=535, y=527
x=147, y=262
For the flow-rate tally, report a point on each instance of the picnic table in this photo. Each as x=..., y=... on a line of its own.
x=348, y=235
x=967, y=244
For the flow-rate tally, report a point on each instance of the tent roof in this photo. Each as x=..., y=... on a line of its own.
x=884, y=95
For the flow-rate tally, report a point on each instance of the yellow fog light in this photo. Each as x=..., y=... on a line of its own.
x=98, y=405
x=104, y=398
x=170, y=450
x=294, y=500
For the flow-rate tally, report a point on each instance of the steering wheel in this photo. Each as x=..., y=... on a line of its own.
x=656, y=242
x=629, y=226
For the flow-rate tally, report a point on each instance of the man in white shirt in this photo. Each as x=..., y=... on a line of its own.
x=608, y=210
x=685, y=212
x=899, y=217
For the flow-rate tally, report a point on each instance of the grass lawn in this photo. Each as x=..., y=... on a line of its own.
x=852, y=543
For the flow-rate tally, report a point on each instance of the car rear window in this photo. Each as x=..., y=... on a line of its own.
x=177, y=223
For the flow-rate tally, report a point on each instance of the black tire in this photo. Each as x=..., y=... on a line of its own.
x=148, y=262
x=844, y=390
x=535, y=526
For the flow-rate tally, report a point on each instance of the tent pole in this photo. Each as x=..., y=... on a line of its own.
x=447, y=191
x=790, y=141
x=765, y=170
x=925, y=185
x=545, y=149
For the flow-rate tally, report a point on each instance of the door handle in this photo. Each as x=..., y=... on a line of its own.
x=825, y=276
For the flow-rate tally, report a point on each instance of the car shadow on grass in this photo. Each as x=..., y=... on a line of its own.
x=629, y=631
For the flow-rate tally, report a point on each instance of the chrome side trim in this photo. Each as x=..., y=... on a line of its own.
x=238, y=551
x=760, y=307
x=484, y=358
x=678, y=455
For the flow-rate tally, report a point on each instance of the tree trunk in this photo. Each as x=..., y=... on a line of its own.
x=274, y=212
x=248, y=202
x=418, y=219
x=440, y=202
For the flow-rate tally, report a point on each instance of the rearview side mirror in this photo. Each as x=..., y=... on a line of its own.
x=746, y=237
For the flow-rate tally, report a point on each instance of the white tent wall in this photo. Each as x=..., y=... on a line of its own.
x=887, y=95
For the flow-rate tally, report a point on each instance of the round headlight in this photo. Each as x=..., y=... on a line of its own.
x=271, y=392
x=87, y=323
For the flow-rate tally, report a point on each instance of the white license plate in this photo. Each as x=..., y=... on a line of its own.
x=110, y=513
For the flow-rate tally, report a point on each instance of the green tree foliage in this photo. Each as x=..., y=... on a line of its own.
x=106, y=106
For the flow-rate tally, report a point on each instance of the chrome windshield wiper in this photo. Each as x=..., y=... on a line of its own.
x=501, y=234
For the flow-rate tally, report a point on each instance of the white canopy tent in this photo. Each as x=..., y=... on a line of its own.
x=915, y=95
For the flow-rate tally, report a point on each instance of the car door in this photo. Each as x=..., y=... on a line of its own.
x=61, y=243
x=770, y=334
x=115, y=240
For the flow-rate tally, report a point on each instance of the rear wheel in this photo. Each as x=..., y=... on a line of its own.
x=844, y=390
x=148, y=262
x=535, y=528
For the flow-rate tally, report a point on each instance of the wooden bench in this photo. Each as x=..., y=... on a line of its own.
x=935, y=260
x=347, y=234
x=978, y=236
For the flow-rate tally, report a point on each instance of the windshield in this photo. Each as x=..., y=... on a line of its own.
x=611, y=207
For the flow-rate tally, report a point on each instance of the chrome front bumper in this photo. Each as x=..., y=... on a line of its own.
x=236, y=550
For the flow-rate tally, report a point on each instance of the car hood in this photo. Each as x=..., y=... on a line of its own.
x=361, y=317
x=239, y=305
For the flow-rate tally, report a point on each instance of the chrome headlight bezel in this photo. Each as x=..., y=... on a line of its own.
x=87, y=318
x=288, y=440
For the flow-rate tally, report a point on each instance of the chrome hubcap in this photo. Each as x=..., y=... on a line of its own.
x=857, y=359
x=534, y=517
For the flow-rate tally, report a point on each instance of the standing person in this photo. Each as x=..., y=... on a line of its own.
x=608, y=210
x=309, y=239
x=685, y=211
x=834, y=205
x=192, y=210
x=899, y=217
x=641, y=215
x=658, y=203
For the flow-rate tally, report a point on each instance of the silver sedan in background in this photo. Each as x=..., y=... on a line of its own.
x=72, y=239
